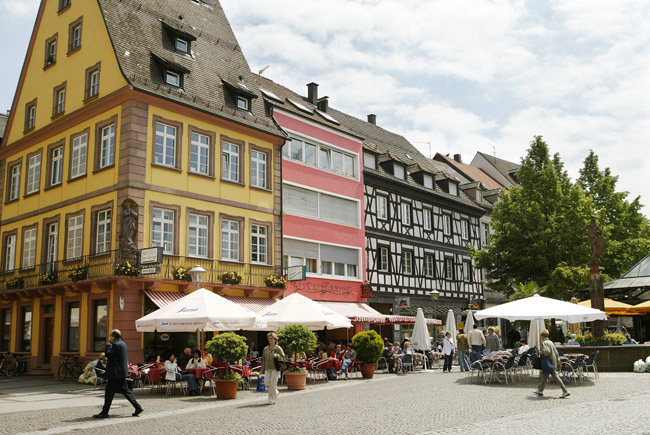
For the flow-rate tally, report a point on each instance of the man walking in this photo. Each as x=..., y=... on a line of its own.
x=116, y=374
x=462, y=344
x=476, y=339
x=493, y=342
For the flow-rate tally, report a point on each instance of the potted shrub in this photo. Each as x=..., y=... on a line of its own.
x=126, y=269
x=296, y=340
x=79, y=273
x=231, y=277
x=182, y=274
x=369, y=346
x=275, y=281
x=614, y=339
x=46, y=278
x=15, y=283
x=227, y=347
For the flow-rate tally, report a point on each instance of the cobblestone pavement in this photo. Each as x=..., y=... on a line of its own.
x=416, y=403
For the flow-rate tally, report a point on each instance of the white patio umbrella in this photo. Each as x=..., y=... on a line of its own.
x=469, y=322
x=534, y=329
x=299, y=309
x=450, y=326
x=540, y=307
x=200, y=310
x=420, y=337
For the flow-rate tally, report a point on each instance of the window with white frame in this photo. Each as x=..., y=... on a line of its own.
x=407, y=263
x=307, y=203
x=464, y=229
x=229, y=240
x=182, y=45
x=165, y=152
x=14, y=183
x=258, y=169
x=107, y=152
x=399, y=172
x=486, y=234
x=428, y=265
x=369, y=161
x=230, y=162
x=10, y=253
x=335, y=261
x=406, y=213
x=428, y=181
x=197, y=237
x=479, y=195
x=173, y=79
x=200, y=154
x=453, y=189
x=446, y=224
x=33, y=174
x=323, y=157
x=59, y=106
x=382, y=207
x=383, y=259
x=29, y=248
x=103, y=241
x=75, y=237
x=243, y=103
x=162, y=232
x=426, y=220
x=449, y=268
x=259, y=244
x=76, y=38
x=57, y=166
x=79, y=156
x=93, y=89
x=467, y=271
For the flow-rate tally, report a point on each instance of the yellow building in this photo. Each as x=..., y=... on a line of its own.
x=134, y=125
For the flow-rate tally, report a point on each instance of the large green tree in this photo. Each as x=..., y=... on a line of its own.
x=538, y=227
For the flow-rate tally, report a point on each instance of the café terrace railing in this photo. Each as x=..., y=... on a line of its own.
x=105, y=265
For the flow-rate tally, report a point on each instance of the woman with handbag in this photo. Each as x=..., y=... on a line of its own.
x=272, y=366
x=550, y=361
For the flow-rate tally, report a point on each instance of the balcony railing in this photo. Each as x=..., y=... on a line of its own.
x=106, y=265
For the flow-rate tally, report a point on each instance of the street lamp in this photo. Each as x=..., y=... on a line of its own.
x=435, y=294
x=197, y=275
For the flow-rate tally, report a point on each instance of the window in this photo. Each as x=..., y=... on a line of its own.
x=72, y=343
x=100, y=323
x=328, y=159
x=259, y=247
x=79, y=156
x=449, y=268
x=56, y=165
x=58, y=107
x=383, y=259
x=30, y=115
x=63, y=4
x=229, y=240
x=406, y=213
x=14, y=182
x=173, y=79
x=382, y=207
x=307, y=203
x=75, y=237
x=479, y=195
x=107, y=147
x=52, y=243
x=103, y=232
x=200, y=154
x=29, y=248
x=50, y=50
x=162, y=232
x=197, y=237
x=369, y=161
x=10, y=253
x=486, y=234
x=230, y=162
x=74, y=35
x=446, y=225
x=428, y=265
x=453, y=189
x=259, y=169
x=407, y=263
x=339, y=261
x=427, y=219
x=398, y=171
x=243, y=103
x=464, y=229
x=165, y=149
x=91, y=89
x=33, y=174
x=26, y=329
x=182, y=45
x=467, y=271
x=5, y=329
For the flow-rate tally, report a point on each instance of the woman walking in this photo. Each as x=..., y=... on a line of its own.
x=448, y=352
x=272, y=354
x=550, y=361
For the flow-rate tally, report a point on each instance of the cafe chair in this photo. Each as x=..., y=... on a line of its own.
x=591, y=362
x=507, y=369
x=407, y=363
x=99, y=377
x=477, y=365
x=573, y=368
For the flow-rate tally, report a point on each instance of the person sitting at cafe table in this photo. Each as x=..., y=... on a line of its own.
x=348, y=359
x=172, y=373
x=572, y=341
x=387, y=355
x=252, y=352
x=207, y=357
x=337, y=352
x=184, y=358
x=196, y=362
x=397, y=350
x=523, y=348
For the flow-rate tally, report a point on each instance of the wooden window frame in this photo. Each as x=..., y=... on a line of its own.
x=48, y=43
x=64, y=5
x=179, y=143
x=177, y=215
x=210, y=216
x=65, y=323
x=412, y=255
x=467, y=269
x=97, y=157
x=410, y=213
x=242, y=154
x=453, y=267
x=40, y=172
x=269, y=240
x=22, y=246
x=71, y=28
x=90, y=336
x=451, y=225
x=74, y=136
x=425, y=211
x=5, y=237
x=467, y=236
x=211, y=158
x=55, y=99
x=94, y=210
x=28, y=107
x=387, y=248
x=48, y=171
x=10, y=166
x=241, y=220
x=387, y=207
x=21, y=327
x=88, y=85
x=269, y=166
x=44, y=236
x=4, y=330
x=69, y=216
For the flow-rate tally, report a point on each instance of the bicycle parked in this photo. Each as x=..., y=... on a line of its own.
x=71, y=365
x=13, y=365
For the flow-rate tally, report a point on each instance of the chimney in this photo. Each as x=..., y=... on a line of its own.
x=372, y=118
x=458, y=158
x=323, y=104
x=312, y=92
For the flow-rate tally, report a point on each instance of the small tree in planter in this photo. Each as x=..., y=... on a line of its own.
x=227, y=347
x=296, y=339
x=369, y=346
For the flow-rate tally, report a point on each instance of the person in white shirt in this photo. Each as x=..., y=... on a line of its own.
x=196, y=362
x=476, y=339
x=448, y=352
x=172, y=373
x=524, y=347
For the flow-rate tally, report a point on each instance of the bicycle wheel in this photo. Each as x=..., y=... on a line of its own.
x=12, y=366
x=63, y=371
x=22, y=368
x=75, y=371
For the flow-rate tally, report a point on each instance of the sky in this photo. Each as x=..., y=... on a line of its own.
x=451, y=77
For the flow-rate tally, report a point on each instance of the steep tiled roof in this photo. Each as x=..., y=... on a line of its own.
x=505, y=167
x=471, y=172
x=142, y=45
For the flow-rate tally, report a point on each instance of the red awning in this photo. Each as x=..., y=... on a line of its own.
x=409, y=320
x=253, y=304
x=163, y=298
x=357, y=312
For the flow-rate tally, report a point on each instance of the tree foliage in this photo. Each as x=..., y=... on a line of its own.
x=522, y=291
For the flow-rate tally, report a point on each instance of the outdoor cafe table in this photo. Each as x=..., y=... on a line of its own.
x=197, y=372
x=244, y=371
x=567, y=357
x=155, y=374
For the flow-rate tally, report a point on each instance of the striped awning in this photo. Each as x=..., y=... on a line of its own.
x=253, y=304
x=357, y=312
x=163, y=298
x=408, y=320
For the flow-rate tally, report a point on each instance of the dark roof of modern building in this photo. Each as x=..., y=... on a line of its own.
x=471, y=172
x=506, y=168
x=142, y=34
x=3, y=125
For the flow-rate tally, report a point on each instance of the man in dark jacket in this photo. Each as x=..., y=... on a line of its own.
x=116, y=374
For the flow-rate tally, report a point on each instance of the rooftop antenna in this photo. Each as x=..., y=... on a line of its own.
x=428, y=143
x=263, y=69
x=494, y=151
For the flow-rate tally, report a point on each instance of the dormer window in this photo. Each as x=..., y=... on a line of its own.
x=479, y=196
x=243, y=103
x=240, y=96
x=173, y=79
x=369, y=161
x=453, y=189
x=182, y=45
x=172, y=72
x=427, y=181
x=399, y=172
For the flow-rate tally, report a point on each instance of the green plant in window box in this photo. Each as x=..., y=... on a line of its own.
x=275, y=281
x=232, y=376
x=15, y=283
x=182, y=274
x=46, y=278
x=614, y=339
x=586, y=340
x=79, y=273
x=231, y=277
x=126, y=269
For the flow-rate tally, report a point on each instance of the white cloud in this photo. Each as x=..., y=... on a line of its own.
x=22, y=8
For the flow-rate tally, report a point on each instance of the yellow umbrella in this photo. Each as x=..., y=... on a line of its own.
x=574, y=328
x=641, y=308
x=613, y=307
